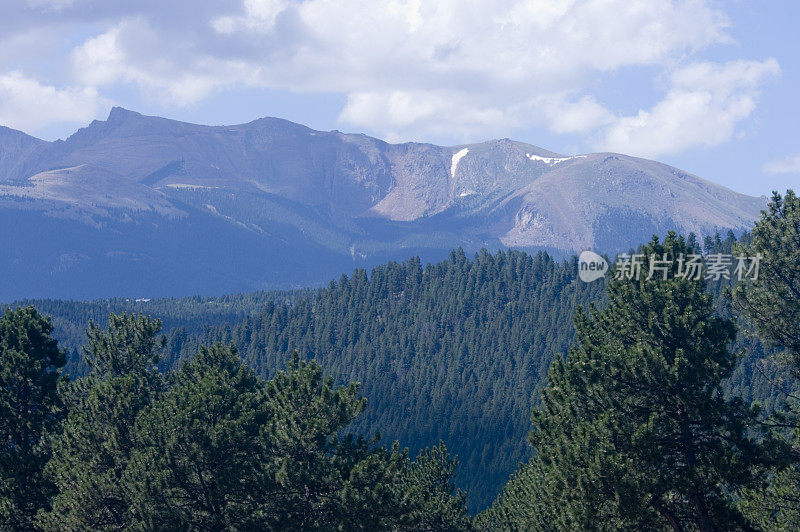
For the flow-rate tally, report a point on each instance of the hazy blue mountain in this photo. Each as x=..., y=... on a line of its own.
x=139, y=206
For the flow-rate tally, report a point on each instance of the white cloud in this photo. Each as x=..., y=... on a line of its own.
x=451, y=65
x=100, y=61
x=412, y=69
x=702, y=108
x=259, y=15
x=28, y=105
x=406, y=115
x=579, y=116
x=787, y=165
x=134, y=52
x=427, y=113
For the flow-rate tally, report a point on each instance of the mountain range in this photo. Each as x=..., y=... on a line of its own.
x=138, y=206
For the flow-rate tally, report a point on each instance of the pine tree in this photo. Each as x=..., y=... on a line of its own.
x=224, y=450
x=130, y=344
x=634, y=430
x=777, y=507
x=199, y=463
x=771, y=303
x=444, y=352
x=92, y=452
x=30, y=410
x=326, y=481
x=429, y=498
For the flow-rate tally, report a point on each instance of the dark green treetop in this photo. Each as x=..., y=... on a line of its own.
x=634, y=430
x=93, y=450
x=771, y=304
x=30, y=408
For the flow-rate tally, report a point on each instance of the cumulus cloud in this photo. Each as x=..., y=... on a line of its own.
x=409, y=67
x=787, y=165
x=702, y=108
x=428, y=113
x=133, y=52
x=412, y=69
x=575, y=116
x=258, y=16
x=28, y=105
x=403, y=114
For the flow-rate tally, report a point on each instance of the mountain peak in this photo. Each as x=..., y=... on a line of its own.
x=6, y=131
x=119, y=114
x=279, y=189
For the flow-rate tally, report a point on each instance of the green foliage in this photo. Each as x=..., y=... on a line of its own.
x=212, y=446
x=523, y=504
x=180, y=317
x=195, y=443
x=772, y=302
x=428, y=494
x=223, y=450
x=94, y=449
x=453, y=351
x=777, y=507
x=634, y=430
x=30, y=409
x=129, y=345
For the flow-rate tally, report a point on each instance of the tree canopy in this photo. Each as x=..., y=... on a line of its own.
x=31, y=409
x=634, y=430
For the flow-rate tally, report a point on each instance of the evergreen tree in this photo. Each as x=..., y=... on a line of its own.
x=30, y=409
x=92, y=452
x=634, y=430
x=326, y=481
x=223, y=450
x=454, y=351
x=130, y=345
x=429, y=498
x=447, y=352
x=771, y=303
x=444, y=352
x=778, y=506
x=199, y=463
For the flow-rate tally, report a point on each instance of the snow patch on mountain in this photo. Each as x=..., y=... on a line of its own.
x=552, y=160
x=456, y=158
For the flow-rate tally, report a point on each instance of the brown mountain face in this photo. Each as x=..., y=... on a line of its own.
x=283, y=190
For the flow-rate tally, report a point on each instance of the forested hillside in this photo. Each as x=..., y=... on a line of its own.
x=451, y=351
x=454, y=351
x=648, y=422
x=180, y=317
x=208, y=446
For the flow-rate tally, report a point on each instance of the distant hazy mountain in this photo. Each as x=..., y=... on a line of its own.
x=141, y=206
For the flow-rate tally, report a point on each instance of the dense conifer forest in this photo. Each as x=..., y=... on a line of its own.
x=452, y=351
x=155, y=417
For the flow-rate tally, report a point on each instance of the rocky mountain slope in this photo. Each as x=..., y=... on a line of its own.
x=139, y=205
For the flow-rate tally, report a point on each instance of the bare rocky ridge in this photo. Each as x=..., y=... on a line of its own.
x=285, y=190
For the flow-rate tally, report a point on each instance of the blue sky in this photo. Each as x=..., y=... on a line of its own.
x=710, y=87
